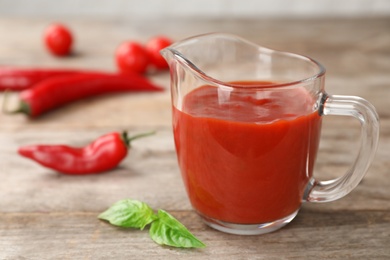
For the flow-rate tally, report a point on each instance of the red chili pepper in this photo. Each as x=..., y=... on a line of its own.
x=103, y=154
x=17, y=79
x=57, y=91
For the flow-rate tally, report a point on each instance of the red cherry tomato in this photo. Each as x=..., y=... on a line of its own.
x=131, y=56
x=58, y=39
x=153, y=47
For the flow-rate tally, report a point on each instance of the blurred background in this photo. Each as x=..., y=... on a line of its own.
x=332, y=31
x=150, y=9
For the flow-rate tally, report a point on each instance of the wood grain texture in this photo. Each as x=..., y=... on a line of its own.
x=78, y=235
x=45, y=215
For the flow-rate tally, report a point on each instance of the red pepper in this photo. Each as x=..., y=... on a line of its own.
x=58, y=91
x=103, y=154
x=16, y=79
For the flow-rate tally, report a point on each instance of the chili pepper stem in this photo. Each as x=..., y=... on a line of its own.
x=128, y=139
x=23, y=107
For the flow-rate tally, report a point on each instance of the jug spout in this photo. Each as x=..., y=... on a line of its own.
x=219, y=59
x=168, y=55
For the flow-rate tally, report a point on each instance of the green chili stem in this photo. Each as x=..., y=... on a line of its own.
x=23, y=106
x=128, y=139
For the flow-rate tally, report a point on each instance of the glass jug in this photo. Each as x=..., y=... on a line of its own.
x=247, y=123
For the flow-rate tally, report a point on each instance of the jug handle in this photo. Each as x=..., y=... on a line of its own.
x=364, y=112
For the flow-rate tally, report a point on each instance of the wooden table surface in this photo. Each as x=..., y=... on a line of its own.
x=46, y=215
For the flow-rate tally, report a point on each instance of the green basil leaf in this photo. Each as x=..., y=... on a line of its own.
x=129, y=213
x=166, y=230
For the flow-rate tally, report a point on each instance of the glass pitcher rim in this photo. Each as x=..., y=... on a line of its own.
x=180, y=56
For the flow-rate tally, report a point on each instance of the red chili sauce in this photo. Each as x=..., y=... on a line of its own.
x=246, y=157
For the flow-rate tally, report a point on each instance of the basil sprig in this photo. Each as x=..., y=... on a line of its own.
x=164, y=229
x=129, y=213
